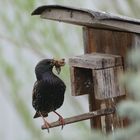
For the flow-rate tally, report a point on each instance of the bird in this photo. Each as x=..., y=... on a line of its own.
x=48, y=90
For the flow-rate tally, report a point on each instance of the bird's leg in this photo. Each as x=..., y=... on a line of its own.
x=61, y=119
x=45, y=122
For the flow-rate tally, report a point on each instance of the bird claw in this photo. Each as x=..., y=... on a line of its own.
x=47, y=126
x=61, y=119
x=62, y=122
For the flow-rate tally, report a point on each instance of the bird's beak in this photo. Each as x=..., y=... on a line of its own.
x=58, y=64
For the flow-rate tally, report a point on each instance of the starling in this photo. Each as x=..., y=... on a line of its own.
x=48, y=90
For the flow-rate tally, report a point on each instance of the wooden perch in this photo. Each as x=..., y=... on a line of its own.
x=82, y=117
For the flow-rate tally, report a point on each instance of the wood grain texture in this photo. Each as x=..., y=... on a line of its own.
x=99, y=73
x=107, y=41
x=89, y=18
x=110, y=42
x=95, y=122
x=106, y=83
x=112, y=121
x=96, y=61
x=94, y=70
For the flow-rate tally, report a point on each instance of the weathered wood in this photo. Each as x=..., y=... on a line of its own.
x=110, y=42
x=88, y=18
x=95, y=61
x=95, y=122
x=106, y=83
x=107, y=123
x=112, y=121
x=82, y=81
x=85, y=116
x=101, y=71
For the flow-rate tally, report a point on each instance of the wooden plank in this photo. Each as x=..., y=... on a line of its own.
x=89, y=18
x=106, y=83
x=111, y=42
x=95, y=61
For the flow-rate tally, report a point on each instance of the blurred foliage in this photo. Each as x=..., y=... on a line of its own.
x=24, y=41
x=130, y=108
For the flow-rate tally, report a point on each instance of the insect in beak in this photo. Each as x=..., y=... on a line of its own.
x=58, y=64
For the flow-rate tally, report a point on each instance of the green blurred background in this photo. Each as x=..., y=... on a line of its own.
x=24, y=40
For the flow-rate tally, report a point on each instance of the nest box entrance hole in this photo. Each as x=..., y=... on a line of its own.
x=82, y=81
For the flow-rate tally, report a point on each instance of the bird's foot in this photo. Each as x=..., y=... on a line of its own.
x=62, y=121
x=47, y=126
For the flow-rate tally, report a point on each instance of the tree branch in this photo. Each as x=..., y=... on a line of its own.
x=82, y=117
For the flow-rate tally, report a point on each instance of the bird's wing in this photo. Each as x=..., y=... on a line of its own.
x=35, y=95
x=36, y=90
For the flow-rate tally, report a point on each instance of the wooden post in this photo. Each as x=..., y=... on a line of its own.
x=111, y=42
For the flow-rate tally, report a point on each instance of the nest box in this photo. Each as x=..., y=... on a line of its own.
x=107, y=38
x=96, y=74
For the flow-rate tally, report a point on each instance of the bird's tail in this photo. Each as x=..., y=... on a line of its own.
x=44, y=114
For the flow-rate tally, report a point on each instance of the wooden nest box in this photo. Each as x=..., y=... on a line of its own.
x=107, y=38
x=96, y=74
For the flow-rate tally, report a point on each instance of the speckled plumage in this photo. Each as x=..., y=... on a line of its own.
x=48, y=90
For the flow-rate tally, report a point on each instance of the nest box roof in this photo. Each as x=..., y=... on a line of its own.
x=89, y=18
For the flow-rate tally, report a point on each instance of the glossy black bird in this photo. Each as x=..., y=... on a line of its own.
x=48, y=90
